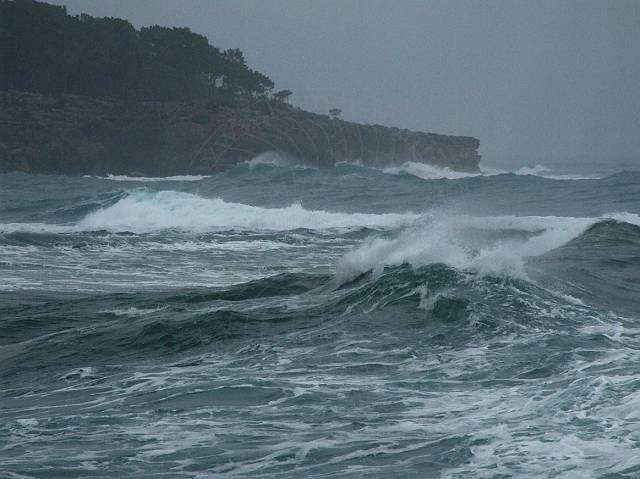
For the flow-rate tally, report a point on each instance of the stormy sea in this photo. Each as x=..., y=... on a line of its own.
x=275, y=320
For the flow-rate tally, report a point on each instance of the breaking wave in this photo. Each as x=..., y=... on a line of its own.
x=148, y=211
x=152, y=211
x=424, y=171
x=428, y=172
x=270, y=158
x=546, y=172
x=487, y=245
x=433, y=172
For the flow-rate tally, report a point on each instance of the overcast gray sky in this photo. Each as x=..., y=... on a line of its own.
x=545, y=78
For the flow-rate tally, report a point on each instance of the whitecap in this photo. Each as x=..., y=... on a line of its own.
x=432, y=172
x=41, y=228
x=454, y=240
x=143, y=211
x=428, y=172
x=269, y=158
x=543, y=171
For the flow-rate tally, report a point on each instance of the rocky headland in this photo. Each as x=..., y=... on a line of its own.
x=77, y=135
x=95, y=95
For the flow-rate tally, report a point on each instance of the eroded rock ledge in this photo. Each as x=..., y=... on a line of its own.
x=76, y=135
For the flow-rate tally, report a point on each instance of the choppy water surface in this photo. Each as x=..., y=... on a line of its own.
x=277, y=321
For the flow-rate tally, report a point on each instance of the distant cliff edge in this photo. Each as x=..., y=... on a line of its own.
x=76, y=135
x=88, y=95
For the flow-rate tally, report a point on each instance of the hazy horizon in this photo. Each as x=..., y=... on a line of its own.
x=535, y=82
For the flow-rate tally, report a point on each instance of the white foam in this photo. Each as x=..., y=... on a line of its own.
x=537, y=170
x=454, y=240
x=625, y=217
x=269, y=158
x=433, y=172
x=8, y=228
x=546, y=172
x=144, y=211
x=150, y=179
x=212, y=245
x=27, y=422
x=428, y=172
x=80, y=373
x=133, y=311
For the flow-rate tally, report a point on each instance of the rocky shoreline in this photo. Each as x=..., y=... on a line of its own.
x=77, y=135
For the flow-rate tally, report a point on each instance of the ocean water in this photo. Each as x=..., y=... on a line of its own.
x=280, y=321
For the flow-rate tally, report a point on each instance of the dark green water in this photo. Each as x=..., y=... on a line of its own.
x=274, y=321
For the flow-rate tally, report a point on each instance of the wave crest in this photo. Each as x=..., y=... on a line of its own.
x=144, y=211
x=428, y=172
x=432, y=172
x=487, y=245
x=270, y=158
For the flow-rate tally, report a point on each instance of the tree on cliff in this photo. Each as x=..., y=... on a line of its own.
x=32, y=38
x=43, y=49
x=100, y=57
x=282, y=95
x=171, y=62
x=240, y=79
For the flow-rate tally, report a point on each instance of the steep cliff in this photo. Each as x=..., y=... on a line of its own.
x=75, y=135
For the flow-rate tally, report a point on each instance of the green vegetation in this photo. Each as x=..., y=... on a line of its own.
x=45, y=50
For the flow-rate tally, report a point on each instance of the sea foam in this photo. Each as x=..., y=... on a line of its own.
x=269, y=158
x=546, y=172
x=143, y=211
x=433, y=172
x=461, y=242
x=428, y=172
x=152, y=179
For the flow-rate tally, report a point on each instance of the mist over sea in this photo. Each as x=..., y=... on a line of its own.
x=276, y=320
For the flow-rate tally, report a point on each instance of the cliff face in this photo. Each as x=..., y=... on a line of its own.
x=75, y=135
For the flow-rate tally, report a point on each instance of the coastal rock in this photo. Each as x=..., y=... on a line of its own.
x=75, y=135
